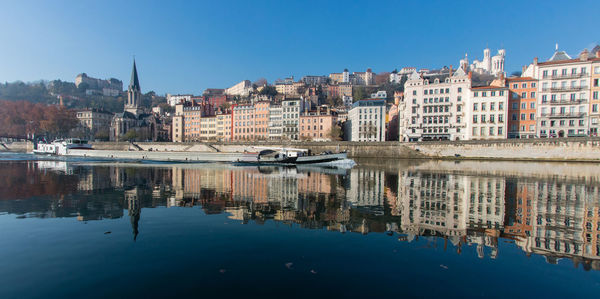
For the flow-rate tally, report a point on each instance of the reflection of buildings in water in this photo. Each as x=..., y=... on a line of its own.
x=564, y=223
x=134, y=208
x=465, y=209
x=366, y=190
x=56, y=166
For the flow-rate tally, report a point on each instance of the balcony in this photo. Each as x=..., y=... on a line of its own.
x=565, y=89
x=567, y=76
x=564, y=115
x=565, y=102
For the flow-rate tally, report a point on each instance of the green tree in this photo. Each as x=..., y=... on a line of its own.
x=131, y=135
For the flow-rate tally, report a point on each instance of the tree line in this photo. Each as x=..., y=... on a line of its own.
x=22, y=118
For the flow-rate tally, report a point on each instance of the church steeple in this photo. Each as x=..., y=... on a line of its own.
x=134, y=83
x=134, y=93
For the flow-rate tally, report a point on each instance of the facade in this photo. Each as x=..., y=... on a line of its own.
x=435, y=107
x=317, y=124
x=109, y=87
x=595, y=96
x=488, y=112
x=261, y=120
x=564, y=95
x=243, y=88
x=94, y=120
x=314, y=80
x=366, y=121
x=174, y=99
x=339, y=90
x=224, y=127
x=275, y=122
x=522, y=107
x=289, y=88
x=363, y=78
x=291, y=109
x=243, y=122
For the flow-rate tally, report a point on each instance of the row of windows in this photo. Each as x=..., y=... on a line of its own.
x=515, y=105
x=485, y=94
x=524, y=85
x=492, y=106
x=523, y=116
x=562, y=123
x=488, y=131
x=492, y=118
x=564, y=72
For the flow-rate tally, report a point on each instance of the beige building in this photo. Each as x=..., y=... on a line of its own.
x=317, y=124
x=243, y=88
x=595, y=94
x=94, y=120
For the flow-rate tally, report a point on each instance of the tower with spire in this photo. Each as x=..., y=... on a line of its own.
x=134, y=94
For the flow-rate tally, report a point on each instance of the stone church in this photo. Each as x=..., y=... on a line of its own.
x=133, y=118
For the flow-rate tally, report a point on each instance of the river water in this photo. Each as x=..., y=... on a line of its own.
x=382, y=229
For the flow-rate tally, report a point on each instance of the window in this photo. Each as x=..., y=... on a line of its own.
x=482, y=106
x=492, y=106
x=545, y=74
x=523, y=106
x=492, y=118
x=500, y=106
x=493, y=93
x=533, y=94
x=483, y=118
x=595, y=108
x=500, y=131
x=501, y=93
x=532, y=105
x=524, y=85
x=500, y=118
x=515, y=106
x=460, y=89
x=514, y=116
x=492, y=131
x=544, y=98
x=474, y=106
x=515, y=86
x=414, y=92
x=476, y=94
x=531, y=116
x=474, y=119
x=523, y=116
x=484, y=93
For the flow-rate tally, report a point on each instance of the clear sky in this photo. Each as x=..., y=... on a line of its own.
x=187, y=46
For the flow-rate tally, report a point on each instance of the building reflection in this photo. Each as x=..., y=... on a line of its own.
x=472, y=209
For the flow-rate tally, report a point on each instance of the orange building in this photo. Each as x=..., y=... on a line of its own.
x=243, y=122
x=261, y=120
x=317, y=124
x=522, y=107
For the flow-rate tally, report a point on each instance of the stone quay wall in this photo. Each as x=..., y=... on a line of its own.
x=571, y=149
x=566, y=149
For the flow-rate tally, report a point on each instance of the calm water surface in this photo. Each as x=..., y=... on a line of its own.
x=383, y=229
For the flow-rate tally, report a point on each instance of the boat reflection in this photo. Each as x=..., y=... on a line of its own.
x=552, y=211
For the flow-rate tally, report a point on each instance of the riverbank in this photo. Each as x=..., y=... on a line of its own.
x=564, y=150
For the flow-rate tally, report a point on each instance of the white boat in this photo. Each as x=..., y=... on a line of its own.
x=294, y=156
x=61, y=147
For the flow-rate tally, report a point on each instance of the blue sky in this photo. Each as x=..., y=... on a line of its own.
x=187, y=46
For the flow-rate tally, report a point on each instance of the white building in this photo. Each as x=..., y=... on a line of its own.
x=291, y=109
x=174, y=99
x=366, y=121
x=563, y=95
x=243, y=88
x=493, y=65
x=380, y=94
x=275, y=122
x=435, y=107
x=347, y=100
x=488, y=110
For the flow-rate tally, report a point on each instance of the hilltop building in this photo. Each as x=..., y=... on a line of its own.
x=109, y=87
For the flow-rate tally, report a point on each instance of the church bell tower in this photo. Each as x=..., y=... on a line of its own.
x=134, y=94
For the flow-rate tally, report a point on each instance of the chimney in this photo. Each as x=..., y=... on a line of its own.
x=470, y=75
x=584, y=55
x=535, y=61
x=450, y=70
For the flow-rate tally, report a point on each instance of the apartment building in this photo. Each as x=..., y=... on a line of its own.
x=595, y=95
x=343, y=90
x=291, y=109
x=275, y=122
x=261, y=120
x=366, y=121
x=488, y=110
x=564, y=95
x=522, y=107
x=243, y=122
x=94, y=119
x=224, y=122
x=241, y=89
x=434, y=106
x=317, y=124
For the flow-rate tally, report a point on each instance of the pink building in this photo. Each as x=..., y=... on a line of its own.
x=317, y=124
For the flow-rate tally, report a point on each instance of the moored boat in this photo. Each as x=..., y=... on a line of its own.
x=61, y=147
